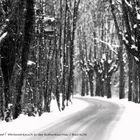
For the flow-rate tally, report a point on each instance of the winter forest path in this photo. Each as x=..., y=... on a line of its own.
x=96, y=122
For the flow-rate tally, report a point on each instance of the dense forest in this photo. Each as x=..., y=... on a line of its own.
x=57, y=48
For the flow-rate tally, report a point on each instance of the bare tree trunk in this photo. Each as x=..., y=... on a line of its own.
x=109, y=95
x=121, y=77
x=130, y=83
x=28, y=30
x=139, y=80
x=90, y=76
x=57, y=56
x=83, y=85
x=1, y=96
x=86, y=86
x=75, y=14
x=99, y=86
x=64, y=58
x=135, y=83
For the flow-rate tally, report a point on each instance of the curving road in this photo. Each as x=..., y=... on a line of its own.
x=96, y=122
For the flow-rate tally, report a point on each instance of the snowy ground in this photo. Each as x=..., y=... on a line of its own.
x=127, y=128
x=26, y=126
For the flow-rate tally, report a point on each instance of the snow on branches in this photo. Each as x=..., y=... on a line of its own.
x=3, y=36
x=131, y=37
x=128, y=3
x=29, y=63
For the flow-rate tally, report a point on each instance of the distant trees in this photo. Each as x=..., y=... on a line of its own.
x=98, y=54
x=110, y=40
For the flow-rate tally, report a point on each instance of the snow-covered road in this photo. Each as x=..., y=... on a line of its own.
x=87, y=118
x=96, y=122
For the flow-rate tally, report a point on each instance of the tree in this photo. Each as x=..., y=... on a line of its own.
x=28, y=31
x=99, y=38
x=10, y=39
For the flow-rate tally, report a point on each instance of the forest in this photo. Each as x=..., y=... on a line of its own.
x=54, y=49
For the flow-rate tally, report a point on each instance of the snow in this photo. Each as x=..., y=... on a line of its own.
x=114, y=66
x=7, y=20
x=127, y=128
x=30, y=63
x=109, y=61
x=52, y=19
x=134, y=47
x=138, y=13
x=102, y=60
x=104, y=56
x=138, y=16
x=129, y=125
x=111, y=46
x=133, y=38
x=136, y=58
x=3, y=36
x=124, y=39
x=135, y=26
x=128, y=3
x=28, y=126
